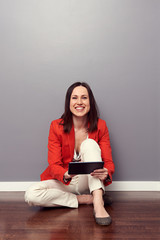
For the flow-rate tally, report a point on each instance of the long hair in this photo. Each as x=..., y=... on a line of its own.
x=92, y=116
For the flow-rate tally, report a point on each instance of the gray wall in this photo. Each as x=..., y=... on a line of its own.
x=47, y=45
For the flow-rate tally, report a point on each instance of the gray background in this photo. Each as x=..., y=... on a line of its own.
x=46, y=45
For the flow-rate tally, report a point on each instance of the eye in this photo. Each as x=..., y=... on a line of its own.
x=84, y=97
x=74, y=97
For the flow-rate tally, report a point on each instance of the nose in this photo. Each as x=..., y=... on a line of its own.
x=79, y=101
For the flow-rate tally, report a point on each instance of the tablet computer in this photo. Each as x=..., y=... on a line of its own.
x=84, y=167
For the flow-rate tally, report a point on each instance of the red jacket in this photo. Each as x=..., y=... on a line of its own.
x=61, y=149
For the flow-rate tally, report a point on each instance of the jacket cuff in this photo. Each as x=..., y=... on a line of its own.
x=66, y=181
x=108, y=178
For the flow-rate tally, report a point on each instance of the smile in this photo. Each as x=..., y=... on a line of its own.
x=79, y=108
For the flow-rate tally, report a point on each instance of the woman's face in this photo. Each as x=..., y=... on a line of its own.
x=79, y=101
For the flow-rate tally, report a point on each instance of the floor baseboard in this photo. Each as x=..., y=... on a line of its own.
x=115, y=186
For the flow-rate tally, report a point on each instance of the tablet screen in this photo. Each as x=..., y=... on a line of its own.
x=84, y=167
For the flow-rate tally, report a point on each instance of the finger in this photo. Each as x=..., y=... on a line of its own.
x=99, y=176
x=72, y=175
x=102, y=178
x=100, y=171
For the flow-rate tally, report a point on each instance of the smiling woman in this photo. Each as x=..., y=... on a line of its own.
x=92, y=115
x=79, y=135
x=79, y=102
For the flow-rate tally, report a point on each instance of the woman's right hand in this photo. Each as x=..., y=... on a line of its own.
x=67, y=176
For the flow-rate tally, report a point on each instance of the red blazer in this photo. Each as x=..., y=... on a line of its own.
x=61, y=150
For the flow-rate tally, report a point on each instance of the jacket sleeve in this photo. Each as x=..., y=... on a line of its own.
x=106, y=151
x=55, y=153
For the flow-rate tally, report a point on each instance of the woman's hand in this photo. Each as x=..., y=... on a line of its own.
x=67, y=176
x=102, y=173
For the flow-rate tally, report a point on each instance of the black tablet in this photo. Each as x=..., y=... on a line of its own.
x=84, y=167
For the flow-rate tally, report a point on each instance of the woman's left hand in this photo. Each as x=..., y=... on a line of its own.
x=100, y=173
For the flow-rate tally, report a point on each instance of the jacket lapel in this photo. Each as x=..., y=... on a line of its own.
x=92, y=135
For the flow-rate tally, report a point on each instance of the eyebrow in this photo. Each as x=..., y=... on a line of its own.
x=80, y=95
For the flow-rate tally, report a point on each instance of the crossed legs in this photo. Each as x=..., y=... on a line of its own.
x=52, y=193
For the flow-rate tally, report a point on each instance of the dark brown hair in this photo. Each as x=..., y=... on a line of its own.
x=92, y=115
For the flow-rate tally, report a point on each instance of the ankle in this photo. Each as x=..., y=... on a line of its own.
x=98, y=200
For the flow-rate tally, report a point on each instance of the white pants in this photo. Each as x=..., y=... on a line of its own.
x=53, y=193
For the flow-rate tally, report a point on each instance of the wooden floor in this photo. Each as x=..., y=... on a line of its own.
x=135, y=215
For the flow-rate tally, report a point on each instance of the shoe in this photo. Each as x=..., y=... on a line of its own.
x=107, y=199
x=103, y=221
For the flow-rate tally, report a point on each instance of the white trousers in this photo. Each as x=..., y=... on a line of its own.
x=53, y=193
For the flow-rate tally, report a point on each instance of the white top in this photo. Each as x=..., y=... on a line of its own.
x=76, y=157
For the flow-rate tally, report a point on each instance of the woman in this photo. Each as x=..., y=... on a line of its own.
x=78, y=136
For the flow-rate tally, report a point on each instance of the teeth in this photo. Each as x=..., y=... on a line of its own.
x=79, y=108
